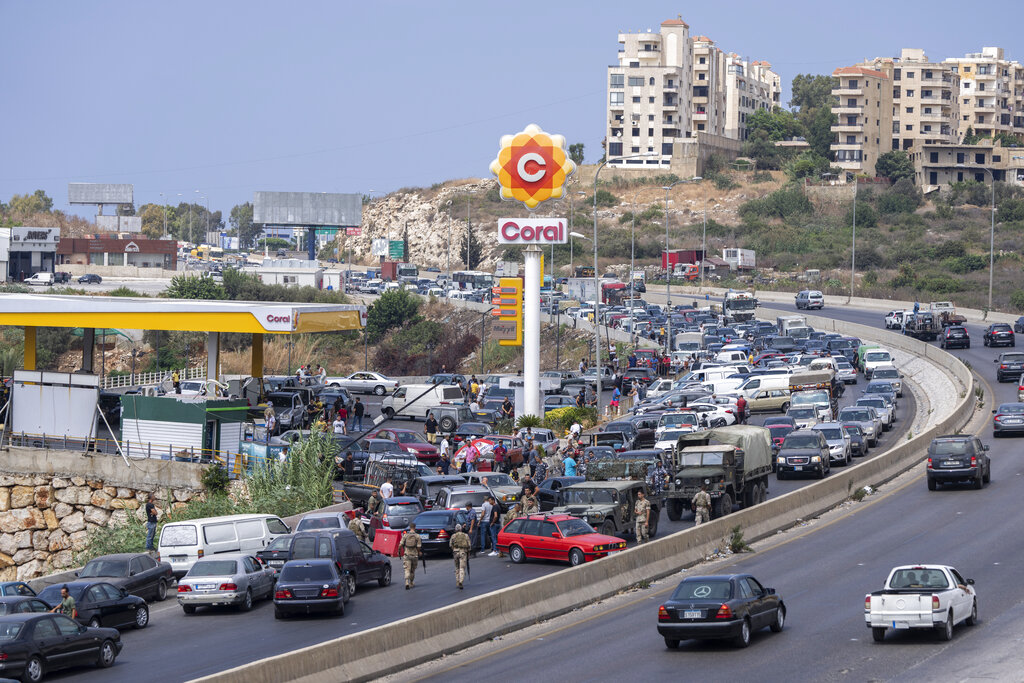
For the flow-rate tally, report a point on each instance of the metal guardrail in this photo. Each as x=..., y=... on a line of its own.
x=150, y=378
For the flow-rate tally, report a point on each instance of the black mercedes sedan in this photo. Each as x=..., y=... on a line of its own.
x=33, y=644
x=101, y=604
x=729, y=606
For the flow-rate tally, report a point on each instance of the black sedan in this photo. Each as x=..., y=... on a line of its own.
x=471, y=430
x=20, y=604
x=34, y=644
x=90, y=279
x=720, y=607
x=138, y=573
x=999, y=334
x=277, y=553
x=549, y=491
x=308, y=587
x=101, y=604
x=436, y=527
x=955, y=335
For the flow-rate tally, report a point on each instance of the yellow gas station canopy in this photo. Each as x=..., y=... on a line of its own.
x=259, y=317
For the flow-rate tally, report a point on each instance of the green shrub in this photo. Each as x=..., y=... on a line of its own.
x=737, y=544
x=560, y=419
x=524, y=421
x=906, y=277
x=867, y=217
x=605, y=199
x=965, y=264
x=761, y=177
x=940, y=284
x=870, y=278
x=124, y=291
x=652, y=212
x=783, y=203
x=1017, y=300
x=949, y=249
x=215, y=479
x=1010, y=210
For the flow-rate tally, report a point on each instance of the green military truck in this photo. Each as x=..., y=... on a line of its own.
x=608, y=497
x=733, y=461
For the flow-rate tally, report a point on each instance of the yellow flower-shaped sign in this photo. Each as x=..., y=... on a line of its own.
x=532, y=166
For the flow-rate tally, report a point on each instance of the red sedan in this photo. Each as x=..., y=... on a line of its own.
x=555, y=537
x=411, y=440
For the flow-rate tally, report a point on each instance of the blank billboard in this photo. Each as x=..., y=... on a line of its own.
x=307, y=208
x=100, y=193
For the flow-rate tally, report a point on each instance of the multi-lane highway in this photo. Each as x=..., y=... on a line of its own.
x=219, y=639
x=823, y=577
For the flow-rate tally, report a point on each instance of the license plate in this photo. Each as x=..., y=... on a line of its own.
x=178, y=558
x=798, y=468
x=691, y=614
x=276, y=563
x=1012, y=421
x=205, y=586
x=951, y=463
x=901, y=624
x=425, y=537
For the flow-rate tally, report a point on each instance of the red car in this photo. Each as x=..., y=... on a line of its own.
x=411, y=440
x=555, y=537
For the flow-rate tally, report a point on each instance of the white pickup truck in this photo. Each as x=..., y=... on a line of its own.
x=923, y=596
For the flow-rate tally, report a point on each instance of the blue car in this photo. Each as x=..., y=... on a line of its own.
x=16, y=588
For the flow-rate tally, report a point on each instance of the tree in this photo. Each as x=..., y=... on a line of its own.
x=818, y=131
x=895, y=165
x=811, y=91
x=576, y=153
x=812, y=97
x=241, y=221
x=152, y=220
x=969, y=137
x=809, y=164
x=406, y=255
x=778, y=123
x=28, y=204
x=392, y=309
x=469, y=249
x=193, y=287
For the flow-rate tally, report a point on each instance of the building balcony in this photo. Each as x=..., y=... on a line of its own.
x=838, y=146
x=700, y=116
x=700, y=100
x=934, y=116
x=844, y=92
x=670, y=104
x=848, y=128
x=841, y=109
x=985, y=108
x=617, y=107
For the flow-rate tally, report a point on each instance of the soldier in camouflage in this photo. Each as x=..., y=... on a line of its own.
x=356, y=527
x=460, y=546
x=656, y=475
x=642, y=514
x=411, y=546
x=702, y=505
x=531, y=504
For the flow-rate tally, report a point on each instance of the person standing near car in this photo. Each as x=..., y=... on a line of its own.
x=66, y=606
x=430, y=427
x=411, y=546
x=460, y=545
x=387, y=489
x=151, y=519
x=495, y=526
x=357, y=410
x=356, y=527
x=702, y=506
x=485, y=523
x=642, y=514
x=741, y=410
x=507, y=410
x=176, y=382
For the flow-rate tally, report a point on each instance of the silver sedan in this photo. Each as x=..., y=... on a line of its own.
x=364, y=382
x=225, y=580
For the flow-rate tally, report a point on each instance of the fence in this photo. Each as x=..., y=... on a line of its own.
x=145, y=379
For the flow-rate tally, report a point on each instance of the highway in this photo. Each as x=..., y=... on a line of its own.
x=823, y=577
x=220, y=639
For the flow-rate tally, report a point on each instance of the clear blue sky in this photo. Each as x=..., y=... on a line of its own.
x=229, y=97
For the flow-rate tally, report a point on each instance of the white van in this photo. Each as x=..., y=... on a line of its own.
x=40, y=278
x=764, y=382
x=420, y=398
x=731, y=356
x=706, y=375
x=182, y=543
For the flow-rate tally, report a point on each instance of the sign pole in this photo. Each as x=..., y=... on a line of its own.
x=531, y=329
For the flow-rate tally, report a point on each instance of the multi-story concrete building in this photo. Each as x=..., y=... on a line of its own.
x=863, y=106
x=709, y=97
x=748, y=87
x=991, y=92
x=925, y=106
x=649, y=90
x=938, y=165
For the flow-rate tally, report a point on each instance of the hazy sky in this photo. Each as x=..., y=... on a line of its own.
x=231, y=97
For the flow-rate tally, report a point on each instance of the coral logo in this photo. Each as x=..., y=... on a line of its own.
x=279, y=319
x=532, y=166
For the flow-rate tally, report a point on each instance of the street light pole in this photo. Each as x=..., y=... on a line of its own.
x=668, y=280
x=449, y=207
x=992, y=230
x=163, y=201
x=704, y=236
x=853, y=243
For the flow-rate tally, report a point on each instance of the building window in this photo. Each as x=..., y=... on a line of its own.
x=960, y=176
x=636, y=81
x=910, y=110
x=616, y=80
x=927, y=74
x=926, y=93
x=981, y=86
x=666, y=148
x=979, y=158
x=896, y=93
x=996, y=158
x=933, y=157
x=851, y=120
x=615, y=149
x=927, y=110
x=967, y=69
x=960, y=157
x=650, y=117
x=95, y=259
x=851, y=102
x=933, y=178
x=651, y=81
x=703, y=60
x=701, y=76
x=981, y=118
x=634, y=65
x=636, y=132
x=851, y=139
x=926, y=128
x=616, y=97
x=650, y=132
x=616, y=132
x=115, y=259
x=897, y=75
x=636, y=100
x=852, y=85
x=910, y=126
x=910, y=74
x=650, y=100
x=700, y=126
x=650, y=149
x=634, y=150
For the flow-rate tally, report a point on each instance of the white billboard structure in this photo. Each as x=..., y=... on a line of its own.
x=310, y=210
x=103, y=194
x=54, y=404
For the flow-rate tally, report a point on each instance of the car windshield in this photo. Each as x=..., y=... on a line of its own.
x=1013, y=357
x=886, y=373
x=877, y=356
x=809, y=397
x=859, y=415
x=497, y=479
x=308, y=523
x=184, y=534
x=672, y=434
x=1001, y=328
x=778, y=430
x=949, y=447
x=575, y=527
x=304, y=573
x=714, y=590
x=280, y=543
x=212, y=568
x=801, y=413
x=587, y=496
x=930, y=579
x=853, y=430
x=832, y=434
x=797, y=440
x=678, y=419
x=1012, y=409
x=10, y=630
x=459, y=500
x=51, y=594
x=104, y=568
x=698, y=459
x=880, y=388
x=402, y=509
x=280, y=400
x=874, y=402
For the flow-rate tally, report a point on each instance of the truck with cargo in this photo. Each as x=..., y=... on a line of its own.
x=582, y=289
x=922, y=325
x=739, y=259
x=734, y=462
x=739, y=305
x=945, y=313
x=818, y=389
x=638, y=281
x=785, y=323
x=607, y=499
x=673, y=257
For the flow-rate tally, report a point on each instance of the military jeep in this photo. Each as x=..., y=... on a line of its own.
x=608, y=505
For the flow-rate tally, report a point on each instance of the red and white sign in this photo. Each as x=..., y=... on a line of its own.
x=355, y=231
x=539, y=230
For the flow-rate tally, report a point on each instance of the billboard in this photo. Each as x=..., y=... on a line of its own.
x=119, y=223
x=539, y=230
x=396, y=250
x=307, y=209
x=379, y=247
x=100, y=193
x=532, y=166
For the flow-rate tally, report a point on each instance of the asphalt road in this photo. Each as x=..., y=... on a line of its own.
x=215, y=640
x=823, y=577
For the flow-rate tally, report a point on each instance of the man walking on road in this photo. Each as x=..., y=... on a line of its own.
x=741, y=410
x=460, y=546
x=474, y=525
x=357, y=409
x=176, y=382
x=485, y=524
x=642, y=512
x=356, y=527
x=702, y=506
x=430, y=427
x=151, y=519
x=411, y=546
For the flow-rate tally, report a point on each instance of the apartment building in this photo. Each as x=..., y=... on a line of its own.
x=649, y=94
x=991, y=92
x=863, y=107
x=709, y=97
x=925, y=102
x=748, y=87
x=938, y=165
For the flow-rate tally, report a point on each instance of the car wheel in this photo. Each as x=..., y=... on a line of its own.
x=447, y=424
x=351, y=579
x=722, y=506
x=188, y=609
x=278, y=614
x=576, y=557
x=516, y=554
x=743, y=638
x=671, y=643
x=246, y=602
x=108, y=654
x=979, y=481
x=385, y=577
x=95, y=622
x=142, y=617
x=946, y=629
x=785, y=407
x=987, y=477
x=389, y=413
x=33, y=670
x=675, y=509
x=161, y=591
x=973, y=619
x=877, y=634
x=780, y=619
x=379, y=390
x=608, y=528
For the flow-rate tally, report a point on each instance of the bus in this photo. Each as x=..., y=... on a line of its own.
x=472, y=279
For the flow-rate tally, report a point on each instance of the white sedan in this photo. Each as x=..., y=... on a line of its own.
x=364, y=382
x=714, y=415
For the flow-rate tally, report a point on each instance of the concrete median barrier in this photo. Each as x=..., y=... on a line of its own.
x=376, y=652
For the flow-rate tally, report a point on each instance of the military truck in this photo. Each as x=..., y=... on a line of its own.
x=607, y=498
x=923, y=326
x=733, y=461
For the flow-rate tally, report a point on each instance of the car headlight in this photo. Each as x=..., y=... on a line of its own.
x=781, y=461
x=597, y=515
x=411, y=450
x=815, y=458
